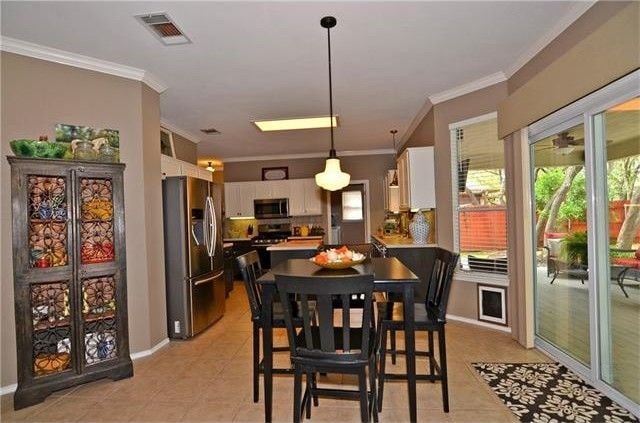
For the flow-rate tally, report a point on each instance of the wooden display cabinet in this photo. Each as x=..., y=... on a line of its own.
x=69, y=263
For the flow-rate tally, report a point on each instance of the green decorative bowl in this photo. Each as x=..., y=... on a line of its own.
x=39, y=149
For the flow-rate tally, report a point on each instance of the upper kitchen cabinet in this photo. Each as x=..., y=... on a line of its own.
x=416, y=178
x=272, y=189
x=305, y=198
x=238, y=199
x=391, y=191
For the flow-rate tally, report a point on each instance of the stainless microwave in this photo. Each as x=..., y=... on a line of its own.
x=271, y=208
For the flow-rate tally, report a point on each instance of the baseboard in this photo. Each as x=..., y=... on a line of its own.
x=12, y=388
x=479, y=323
x=151, y=350
x=9, y=389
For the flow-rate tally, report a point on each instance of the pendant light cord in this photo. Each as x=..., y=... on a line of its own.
x=332, y=152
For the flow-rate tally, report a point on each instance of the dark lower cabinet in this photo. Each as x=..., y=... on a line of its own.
x=69, y=275
x=420, y=260
x=278, y=256
x=240, y=248
x=229, y=265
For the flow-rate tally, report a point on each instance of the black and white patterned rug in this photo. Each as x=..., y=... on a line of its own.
x=549, y=393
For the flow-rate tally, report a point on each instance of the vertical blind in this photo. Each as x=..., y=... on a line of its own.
x=481, y=213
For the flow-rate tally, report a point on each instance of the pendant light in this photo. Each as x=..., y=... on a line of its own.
x=394, y=181
x=333, y=178
x=210, y=167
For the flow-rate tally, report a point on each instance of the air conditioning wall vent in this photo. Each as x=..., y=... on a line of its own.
x=211, y=131
x=163, y=28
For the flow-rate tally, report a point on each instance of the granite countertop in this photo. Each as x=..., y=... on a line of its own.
x=235, y=239
x=298, y=244
x=227, y=244
x=310, y=237
x=397, y=241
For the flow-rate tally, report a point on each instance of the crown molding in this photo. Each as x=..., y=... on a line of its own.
x=309, y=155
x=50, y=54
x=417, y=120
x=577, y=10
x=182, y=132
x=467, y=88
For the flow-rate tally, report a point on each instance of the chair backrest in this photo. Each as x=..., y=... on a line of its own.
x=251, y=270
x=439, y=283
x=366, y=249
x=331, y=340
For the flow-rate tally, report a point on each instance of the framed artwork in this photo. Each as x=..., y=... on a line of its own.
x=492, y=304
x=275, y=173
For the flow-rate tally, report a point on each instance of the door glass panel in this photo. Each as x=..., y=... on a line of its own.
x=620, y=293
x=99, y=318
x=51, y=319
x=47, y=221
x=96, y=215
x=561, y=288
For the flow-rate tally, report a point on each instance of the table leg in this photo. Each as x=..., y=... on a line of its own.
x=410, y=347
x=267, y=348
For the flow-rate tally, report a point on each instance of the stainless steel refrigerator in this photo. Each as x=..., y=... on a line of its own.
x=194, y=258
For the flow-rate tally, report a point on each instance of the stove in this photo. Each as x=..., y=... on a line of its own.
x=268, y=235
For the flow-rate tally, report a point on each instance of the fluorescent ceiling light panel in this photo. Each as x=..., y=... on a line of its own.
x=301, y=123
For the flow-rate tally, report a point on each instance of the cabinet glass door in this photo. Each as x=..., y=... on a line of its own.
x=99, y=328
x=96, y=220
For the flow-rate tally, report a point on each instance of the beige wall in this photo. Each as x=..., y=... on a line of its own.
x=608, y=46
x=184, y=149
x=35, y=96
x=423, y=134
x=370, y=168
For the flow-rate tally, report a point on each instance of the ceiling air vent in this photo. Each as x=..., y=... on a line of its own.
x=210, y=131
x=161, y=25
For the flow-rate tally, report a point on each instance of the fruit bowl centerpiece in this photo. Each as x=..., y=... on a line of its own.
x=338, y=258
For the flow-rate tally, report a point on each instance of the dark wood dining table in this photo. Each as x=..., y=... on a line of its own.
x=389, y=274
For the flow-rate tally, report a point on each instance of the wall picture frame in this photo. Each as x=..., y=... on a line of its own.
x=492, y=304
x=275, y=173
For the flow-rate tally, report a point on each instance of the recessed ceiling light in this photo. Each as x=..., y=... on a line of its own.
x=301, y=123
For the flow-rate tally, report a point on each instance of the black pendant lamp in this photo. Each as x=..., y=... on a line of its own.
x=394, y=181
x=333, y=178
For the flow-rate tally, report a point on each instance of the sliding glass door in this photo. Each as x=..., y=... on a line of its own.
x=585, y=173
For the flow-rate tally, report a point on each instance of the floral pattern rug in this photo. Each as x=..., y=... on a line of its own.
x=549, y=393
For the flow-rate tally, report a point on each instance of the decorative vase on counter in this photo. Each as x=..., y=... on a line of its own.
x=419, y=228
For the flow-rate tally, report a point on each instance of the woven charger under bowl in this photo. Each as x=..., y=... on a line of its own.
x=337, y=265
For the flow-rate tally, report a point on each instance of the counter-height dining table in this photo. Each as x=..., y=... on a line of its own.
x=389, y=274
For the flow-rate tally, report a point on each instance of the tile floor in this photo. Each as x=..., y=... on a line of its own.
x=208, y=379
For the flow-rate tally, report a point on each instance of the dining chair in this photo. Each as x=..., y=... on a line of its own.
x=251, y=270
x=330, y=345
x=430, y=316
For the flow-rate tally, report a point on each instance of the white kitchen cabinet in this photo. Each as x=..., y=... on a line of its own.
x=272, y=189
x=238, y=199
x=174, y=167
x=305, y=198
x=416, y=178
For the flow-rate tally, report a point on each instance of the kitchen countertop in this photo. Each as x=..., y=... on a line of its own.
x=235, y=239
x=299, y=244
x=397, y=241
x=227, y=244
x=310, y=237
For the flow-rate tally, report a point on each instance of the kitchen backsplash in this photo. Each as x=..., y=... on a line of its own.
x=238, y=228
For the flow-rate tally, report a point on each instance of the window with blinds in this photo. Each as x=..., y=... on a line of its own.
x=480, y=209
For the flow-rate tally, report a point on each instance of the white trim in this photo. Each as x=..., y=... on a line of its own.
x=134, y=356
x=478, y=323
x=473, y=120
x=152, y=350
x=478, y=84
x=4, y=390
x=37, y=51
x=310, y=155
x=177, y=130
x=503, y=302
x=577, y=10
x=484, y=278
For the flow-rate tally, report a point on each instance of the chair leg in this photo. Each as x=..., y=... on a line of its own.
x=383, y=360
x=256, y=362
x=373, y=377
x=308, y=394
x=620, y=284
x=442, y=347
x=314, y=386
x=555, y=275
x=364, y=395
x=431, y=355
x=393, y=346
x=297, y=394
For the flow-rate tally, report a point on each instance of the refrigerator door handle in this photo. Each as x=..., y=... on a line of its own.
x=193, y=235
x=216, y=276
x=214, y=227
x=205, y=227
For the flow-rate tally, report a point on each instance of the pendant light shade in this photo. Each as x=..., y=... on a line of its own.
x=332, y=178
x=210, y=167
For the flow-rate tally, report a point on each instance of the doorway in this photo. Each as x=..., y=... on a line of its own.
x=349, y=214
